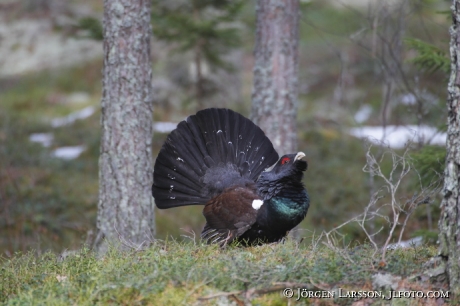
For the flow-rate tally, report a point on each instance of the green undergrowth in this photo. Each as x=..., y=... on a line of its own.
x=47, y=203
x=185, y=273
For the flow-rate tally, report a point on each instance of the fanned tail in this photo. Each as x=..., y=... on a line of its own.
x=205, y=154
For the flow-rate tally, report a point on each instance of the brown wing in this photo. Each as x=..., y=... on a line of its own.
x=229, y=214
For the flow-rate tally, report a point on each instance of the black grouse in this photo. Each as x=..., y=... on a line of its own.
x=223, y=160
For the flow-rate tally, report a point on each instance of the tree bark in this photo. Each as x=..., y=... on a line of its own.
x=125, y=209
x=274, y=95
x=450, y=217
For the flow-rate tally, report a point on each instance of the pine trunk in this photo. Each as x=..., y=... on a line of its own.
x=450, y=206
x=125, y=210
x=274, y=96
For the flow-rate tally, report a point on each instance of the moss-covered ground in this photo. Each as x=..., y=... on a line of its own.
x=187, y=273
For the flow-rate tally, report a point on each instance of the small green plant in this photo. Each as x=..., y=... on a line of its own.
x=429, y=162
x=430, y=57
x=93, y=26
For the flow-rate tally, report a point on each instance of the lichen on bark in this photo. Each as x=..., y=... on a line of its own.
x=449, y=223
x=125, y=209
x=274, y=95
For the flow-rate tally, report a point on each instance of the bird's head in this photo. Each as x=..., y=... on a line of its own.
x=288, y=166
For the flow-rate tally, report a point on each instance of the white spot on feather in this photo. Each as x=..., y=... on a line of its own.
x=256, y=204
x=219, y=131
x=180, y=159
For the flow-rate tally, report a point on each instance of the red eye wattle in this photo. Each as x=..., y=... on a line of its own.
x=285, y=160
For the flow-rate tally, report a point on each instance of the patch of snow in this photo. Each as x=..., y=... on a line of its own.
x=69, y=119
x=363, y=113
x=68, y=153
x=77, y=98
x=164, y=127
x=398, y=136
x=417, y=241
x=360, y=3
x=408, y=99
x=45, y=139
x=426, y=98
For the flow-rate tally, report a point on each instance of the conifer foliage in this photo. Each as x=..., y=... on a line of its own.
x=206, y=28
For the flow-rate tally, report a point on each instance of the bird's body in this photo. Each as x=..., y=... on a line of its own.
x=223, y=160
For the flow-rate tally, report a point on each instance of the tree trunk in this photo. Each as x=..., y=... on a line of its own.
x=125, y=210
x=450, y=206
x=274, y=96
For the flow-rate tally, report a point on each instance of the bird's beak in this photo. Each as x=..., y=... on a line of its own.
x=299, y=156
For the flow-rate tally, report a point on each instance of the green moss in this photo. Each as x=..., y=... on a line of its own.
x=172, y=273
x=51, y=204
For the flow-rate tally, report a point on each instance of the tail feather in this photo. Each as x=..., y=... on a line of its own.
x=207, y=153
x=182, y=183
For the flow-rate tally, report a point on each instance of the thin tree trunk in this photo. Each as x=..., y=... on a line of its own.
x=392, y=21
x=450, y=216
x=125, y=210
x=199, y=92
x=274, y=95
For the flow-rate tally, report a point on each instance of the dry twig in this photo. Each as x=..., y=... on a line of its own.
x=375, y=209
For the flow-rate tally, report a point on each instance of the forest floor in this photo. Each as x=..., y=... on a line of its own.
x=186, y=273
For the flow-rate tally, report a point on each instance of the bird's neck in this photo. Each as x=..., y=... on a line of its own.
x=286, y=209
x=282, y=187
x=289, y=202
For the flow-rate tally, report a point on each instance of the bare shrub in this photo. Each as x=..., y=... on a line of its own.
x=386, y=206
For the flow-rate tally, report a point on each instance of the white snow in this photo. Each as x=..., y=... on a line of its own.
x=45, y=139
x=164, y=127
x=397, y=137
x=406, y=244
x=68, y=153
x=77, y=98
x=363, y=113
x=346, y=4
x=256, y=204
x=69, y=119
x=408, y=99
